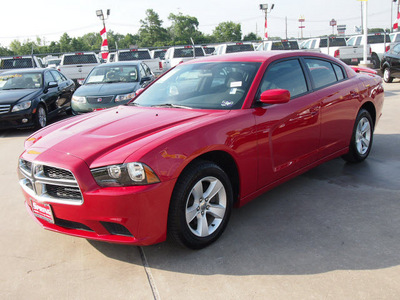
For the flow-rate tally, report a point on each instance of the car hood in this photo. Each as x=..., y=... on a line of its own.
x=93, y=136
x=106, y=89
x=13, y=96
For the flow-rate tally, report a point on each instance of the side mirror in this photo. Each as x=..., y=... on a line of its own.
x=275, y=96
x=144, y=79
x=52, y=84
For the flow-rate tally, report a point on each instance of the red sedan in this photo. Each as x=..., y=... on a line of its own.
x=209, y=134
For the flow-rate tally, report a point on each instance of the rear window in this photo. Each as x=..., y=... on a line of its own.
x=333, y=42
x=16, y=63
x=188, y=52
x=80, y=59
x=285, y=45
x=377, y=39
x=133, y=55
x=239, y=48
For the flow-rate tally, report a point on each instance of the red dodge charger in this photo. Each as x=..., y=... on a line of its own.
x=209, y=134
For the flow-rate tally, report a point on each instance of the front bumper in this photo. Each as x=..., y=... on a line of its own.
x=17, y=119
x=134, y=215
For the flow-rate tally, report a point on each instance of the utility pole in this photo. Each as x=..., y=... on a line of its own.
x=264, y=7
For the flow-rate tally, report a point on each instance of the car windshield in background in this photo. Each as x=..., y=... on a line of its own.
x=112, y=74
x=16, y=63
x=216, y=85
x=188, y=52
x=133, y=55
x=20, y=81
x=80, y=59
x=239, y=48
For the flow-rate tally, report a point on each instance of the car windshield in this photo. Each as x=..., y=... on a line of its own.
x=112, y=74
x=20, y=81
x=216, y=85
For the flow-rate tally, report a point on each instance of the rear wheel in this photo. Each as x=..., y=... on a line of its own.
x=361, y=140
x=40, y=117
x=386, y=75
x=200, y=205
x=375, y=61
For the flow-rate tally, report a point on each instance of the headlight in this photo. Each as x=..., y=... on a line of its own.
x=22, y=106
x=124, y=175
x=125, y=97
x=79, y=99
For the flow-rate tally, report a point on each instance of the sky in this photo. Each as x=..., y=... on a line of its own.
x=48, y=20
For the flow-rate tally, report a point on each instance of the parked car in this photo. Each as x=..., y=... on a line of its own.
x=19, y=62
x=51, y=61
x=278, y=45
x=143, y=55
x=30, y=97
x=210, y=134
x=233, y=48
x=179, y=54
x=78, y=65
x=158, y=53
x=109, y=85
x=390, y=66
x=378, y=42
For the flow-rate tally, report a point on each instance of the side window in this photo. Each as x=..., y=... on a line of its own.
x=358, y=41
x=396, y=49
x=339, y=72
x=142, y=71
x=147, y=70
x=287, y=75
x=350, y=42
x=47, y=78
x=313, y=44
x=57, y=76
x=322, y=72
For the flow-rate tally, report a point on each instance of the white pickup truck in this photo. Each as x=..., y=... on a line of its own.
x=233, y=47
x=77, y=66
x=19, y=62
x=143, y=55
x=336, y=47
x=379, y=43
x=278, y=45
x=176, y=55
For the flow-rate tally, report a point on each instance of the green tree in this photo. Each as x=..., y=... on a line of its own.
x=65, y=43
x=184, y=28
x=227, y=32
x=251, y=37
x=151, y=32
x=91, y=41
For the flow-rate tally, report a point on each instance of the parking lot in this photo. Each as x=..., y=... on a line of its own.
x=332, y=233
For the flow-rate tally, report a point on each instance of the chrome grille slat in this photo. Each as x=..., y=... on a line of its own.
x=49, y=184
x=4, y=109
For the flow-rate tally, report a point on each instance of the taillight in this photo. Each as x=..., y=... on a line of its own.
x=337, y=53
x=370, y=51
x=387, y=48
x=160, y=64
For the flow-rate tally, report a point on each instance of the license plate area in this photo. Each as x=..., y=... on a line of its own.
x=42, y=211
x=354, y=60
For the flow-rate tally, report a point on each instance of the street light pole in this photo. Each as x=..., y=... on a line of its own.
x=264, y=7
x=103, y=33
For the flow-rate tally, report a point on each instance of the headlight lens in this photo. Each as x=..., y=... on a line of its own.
x=79, y=99
x=22, y=106
x=125, y=97
x=128, y=174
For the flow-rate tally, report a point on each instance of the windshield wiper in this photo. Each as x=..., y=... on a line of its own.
x=171, y=105
x=16, y=89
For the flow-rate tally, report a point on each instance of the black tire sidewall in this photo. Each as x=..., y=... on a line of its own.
x=177, y=226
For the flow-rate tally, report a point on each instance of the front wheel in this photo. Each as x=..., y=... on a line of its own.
x=362, y=137
x=40, y=117
x=386, y=75
x=200, y=206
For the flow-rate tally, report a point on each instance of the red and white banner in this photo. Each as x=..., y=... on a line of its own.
x=266, y=30
x=104, y=44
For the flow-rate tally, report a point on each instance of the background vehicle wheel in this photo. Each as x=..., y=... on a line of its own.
x=40, y=117
x=361, y=140
x=200, y=206
x=386, y=75
x=375, y=61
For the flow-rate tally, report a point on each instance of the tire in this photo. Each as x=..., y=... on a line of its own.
x=196, y=220
x=375, y=61
x=386, y=75
x=361, y=139
x=40, y=117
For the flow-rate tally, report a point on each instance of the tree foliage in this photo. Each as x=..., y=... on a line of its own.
x=227, y=31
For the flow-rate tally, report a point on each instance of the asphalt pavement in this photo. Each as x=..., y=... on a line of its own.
x=331, y=233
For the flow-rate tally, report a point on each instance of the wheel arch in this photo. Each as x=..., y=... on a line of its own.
x=369, y=106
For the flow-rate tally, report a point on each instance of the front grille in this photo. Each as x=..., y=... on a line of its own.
x=4, y=109
x=49, y=184
x=99, y=99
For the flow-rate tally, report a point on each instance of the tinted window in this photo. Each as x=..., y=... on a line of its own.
x=322, y=72
x=377, y=39
x=333, y=42
x=188, y=52
x=396, y=49
x=239, y=48
x=286, y=75
x=80, y=59
x=16, y=63
x=133, y=55
x=339, y=72
x=48, y=77
x=57, y=76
